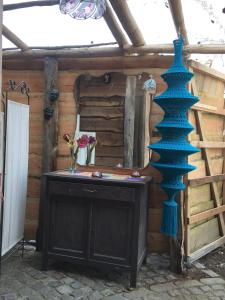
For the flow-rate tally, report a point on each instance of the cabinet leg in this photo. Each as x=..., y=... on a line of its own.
x=133, y=279
x=44, y=263
x=145, y=260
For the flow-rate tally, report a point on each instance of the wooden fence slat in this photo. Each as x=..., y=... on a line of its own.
x=206, y=214
x=206, y=70
x=206, y=179
x=205, y=250
x=207, y=144
x=216, y=111
x=202, y=105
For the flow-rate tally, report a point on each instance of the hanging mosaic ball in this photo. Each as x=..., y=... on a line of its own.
x=83, y=9
x=150, y=85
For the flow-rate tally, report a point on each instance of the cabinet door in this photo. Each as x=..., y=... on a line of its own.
x=111, y=232
x=68, y=225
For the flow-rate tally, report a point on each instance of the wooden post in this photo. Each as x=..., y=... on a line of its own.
x=1, y=4
x=51, y=125
x=129, y=119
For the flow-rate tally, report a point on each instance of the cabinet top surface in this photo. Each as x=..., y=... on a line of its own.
x=106, y=177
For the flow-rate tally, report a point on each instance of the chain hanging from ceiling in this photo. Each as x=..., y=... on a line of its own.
x=83, y=9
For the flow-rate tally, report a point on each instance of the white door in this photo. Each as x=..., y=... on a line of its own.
x=16, y=174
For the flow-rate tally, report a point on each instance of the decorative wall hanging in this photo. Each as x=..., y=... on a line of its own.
x=174, y=128
x=48, y=113
x=53, y=95
x=150, y=85
x=83, y=9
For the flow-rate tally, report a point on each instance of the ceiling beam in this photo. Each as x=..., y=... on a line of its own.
x=178, y=19
x=114, y=26
x=128, y=22
x=78, y=53
x=169, y=48
x=14, y=39
x=7, y=7
x=108, y=16
x=113, y=51
x=66, y=46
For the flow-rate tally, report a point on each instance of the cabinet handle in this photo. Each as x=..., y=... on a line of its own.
x=89, y=191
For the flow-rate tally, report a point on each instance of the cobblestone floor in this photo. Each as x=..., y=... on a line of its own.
x=22, y=279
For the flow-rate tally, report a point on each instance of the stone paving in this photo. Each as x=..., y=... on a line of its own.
x=22, y=279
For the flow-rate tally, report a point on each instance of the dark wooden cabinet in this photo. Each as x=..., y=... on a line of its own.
x=93, y=221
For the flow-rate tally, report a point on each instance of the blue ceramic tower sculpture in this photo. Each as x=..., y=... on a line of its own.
x=173, y=147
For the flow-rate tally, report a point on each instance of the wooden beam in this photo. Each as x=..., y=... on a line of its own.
x=129, y=120
x=168, y=48
x=206, y=214
x=50, y=126
x=14, y=39
x=128, y=22
x=79, y=53
x=178, y=18
x=66, y=46
x=209, y=109
x=7, y=7
x=117, y=51
x=133, y=64
x=206, y=144
x=207, y=70
x=205, y=250
x=206, y=179
x=114, y=26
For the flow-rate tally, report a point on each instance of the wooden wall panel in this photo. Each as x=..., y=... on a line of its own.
x=101, y=107
x=68, y=107
x=200, y=198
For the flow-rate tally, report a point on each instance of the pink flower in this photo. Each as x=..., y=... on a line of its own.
x=83, y=141
x=92, y=140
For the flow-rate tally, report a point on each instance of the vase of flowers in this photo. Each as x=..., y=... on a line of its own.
x=92, y=142
x=74, y=146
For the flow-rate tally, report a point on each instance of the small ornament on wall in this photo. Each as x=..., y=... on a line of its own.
x=53, y=95
x=150, y=85
x=107, y=78
x=48, y=113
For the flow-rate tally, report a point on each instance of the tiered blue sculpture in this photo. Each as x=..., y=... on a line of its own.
x=174, y=128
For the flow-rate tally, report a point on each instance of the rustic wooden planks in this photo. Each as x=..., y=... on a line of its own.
x=50, y=126
x=204, y=209
x=101, y=107
x=129, y=120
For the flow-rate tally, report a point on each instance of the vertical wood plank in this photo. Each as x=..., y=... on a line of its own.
x=1, y=9
x=50, y=126
x=129, y=120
